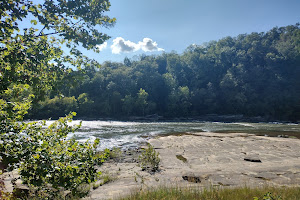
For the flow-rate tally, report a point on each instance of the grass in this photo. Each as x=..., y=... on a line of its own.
x=243, y=193
x=104, y=179
x=115, y=153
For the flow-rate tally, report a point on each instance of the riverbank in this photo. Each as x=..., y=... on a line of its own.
x=207, y=160
x=200, y=118
x=201, y=160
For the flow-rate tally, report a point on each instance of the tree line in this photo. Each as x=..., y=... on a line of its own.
x=253, y=74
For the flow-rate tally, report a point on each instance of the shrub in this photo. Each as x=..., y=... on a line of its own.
x=48, y=162
x=149, y=159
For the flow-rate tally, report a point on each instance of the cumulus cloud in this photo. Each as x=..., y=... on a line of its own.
x=148, y=45
x=102, y=46
x=120, y=45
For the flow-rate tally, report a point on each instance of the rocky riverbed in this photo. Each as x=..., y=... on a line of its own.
x=205, y=160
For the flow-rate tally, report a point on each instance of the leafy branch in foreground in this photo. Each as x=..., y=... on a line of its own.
x=52, y=159
x=49, y=162
x=32, y=64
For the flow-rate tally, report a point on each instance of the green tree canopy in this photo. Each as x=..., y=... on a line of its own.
x=32, y=63
x=253, y=74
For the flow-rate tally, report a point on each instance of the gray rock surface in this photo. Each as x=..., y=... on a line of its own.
x=212, y=159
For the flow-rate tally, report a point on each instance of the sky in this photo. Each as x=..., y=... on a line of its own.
x=156, y=26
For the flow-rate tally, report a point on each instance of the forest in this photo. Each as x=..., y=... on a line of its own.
x=252, y=75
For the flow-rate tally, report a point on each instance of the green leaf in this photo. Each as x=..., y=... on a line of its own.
x=45, y=157
x=33, y=22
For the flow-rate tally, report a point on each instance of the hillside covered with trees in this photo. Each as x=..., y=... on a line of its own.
x=255, y=74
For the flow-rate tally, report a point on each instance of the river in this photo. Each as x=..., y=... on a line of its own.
x=132, y=134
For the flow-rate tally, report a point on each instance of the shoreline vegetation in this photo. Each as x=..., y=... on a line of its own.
x=205, y=118
x=254, y=74
x=239, y=193
x=202, y=118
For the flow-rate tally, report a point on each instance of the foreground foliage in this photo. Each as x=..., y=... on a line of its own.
x=264, y=193
x=50, y=161
x=33, y=64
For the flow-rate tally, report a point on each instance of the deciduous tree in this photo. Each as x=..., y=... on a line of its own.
x=32, y=62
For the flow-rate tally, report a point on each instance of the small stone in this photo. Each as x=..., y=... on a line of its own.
x=190, y=177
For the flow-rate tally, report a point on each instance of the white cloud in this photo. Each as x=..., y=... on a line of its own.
x=102, y=46
x=149, y=45
x=120, y=45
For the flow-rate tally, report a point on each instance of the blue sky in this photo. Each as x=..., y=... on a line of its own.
x=156, y=26
x=176, y=24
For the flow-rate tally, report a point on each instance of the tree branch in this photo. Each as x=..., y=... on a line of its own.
x=42, y=30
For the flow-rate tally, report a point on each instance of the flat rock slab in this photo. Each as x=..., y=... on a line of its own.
x=210, y=159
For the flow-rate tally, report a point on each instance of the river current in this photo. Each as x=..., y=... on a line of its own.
x=132, y=134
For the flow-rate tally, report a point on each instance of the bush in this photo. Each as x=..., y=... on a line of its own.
x=48, y=162
x=149, y=159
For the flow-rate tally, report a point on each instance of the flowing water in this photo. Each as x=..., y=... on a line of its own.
x=132, y=134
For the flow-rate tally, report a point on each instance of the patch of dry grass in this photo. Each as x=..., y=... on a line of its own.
x=242, y=193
